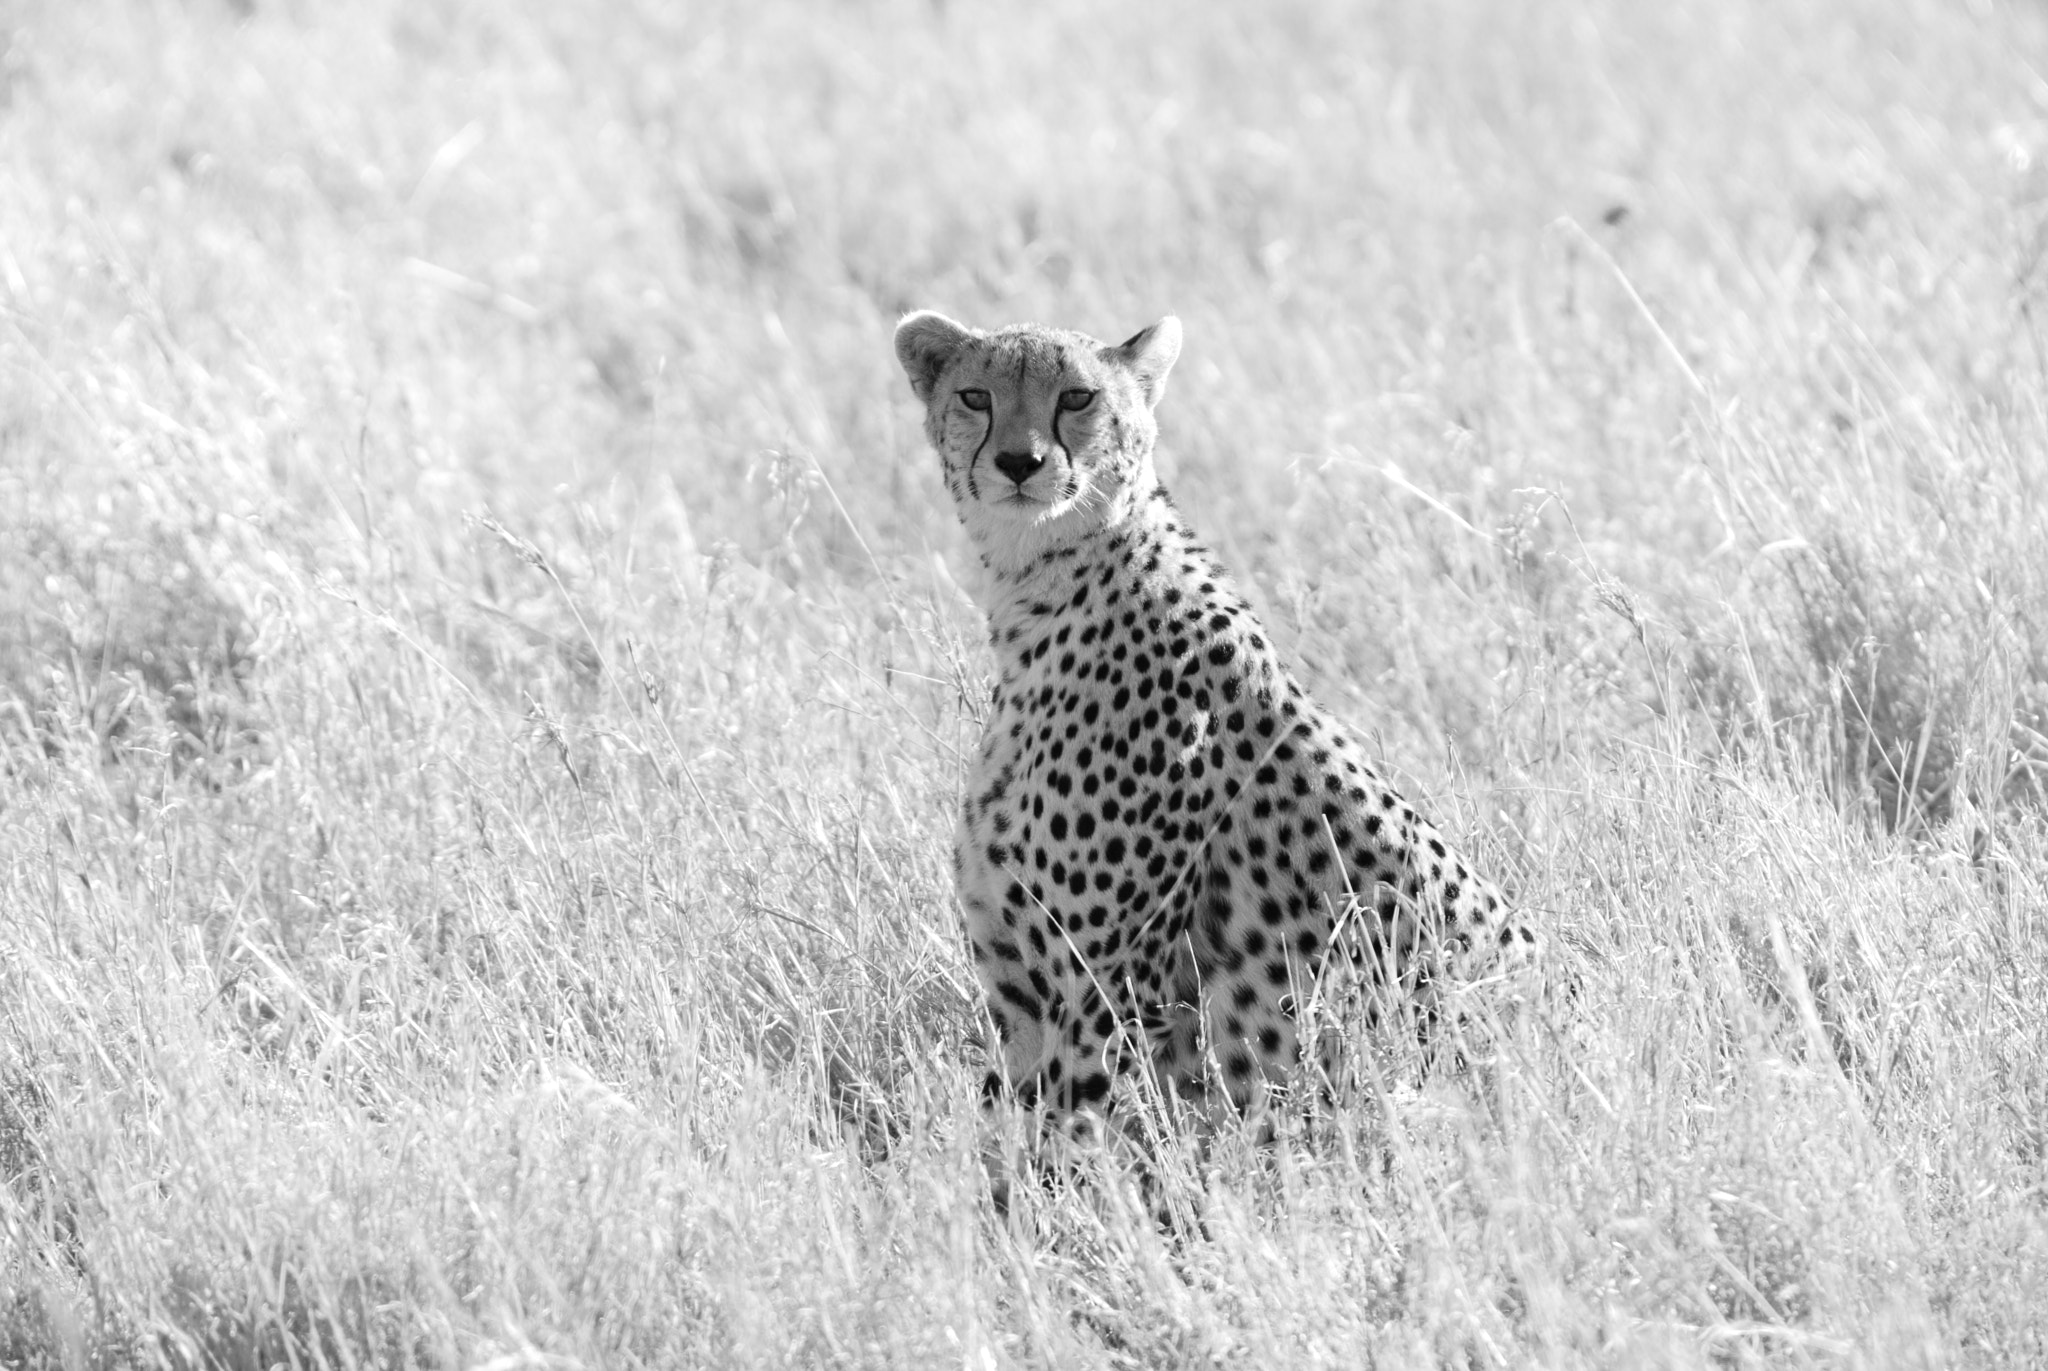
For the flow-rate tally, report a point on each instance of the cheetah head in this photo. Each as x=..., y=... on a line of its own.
x=1045, y=434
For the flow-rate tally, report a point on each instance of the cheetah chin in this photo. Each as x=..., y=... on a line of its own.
x=1167, y=849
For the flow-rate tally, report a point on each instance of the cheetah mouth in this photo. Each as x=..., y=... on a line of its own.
x=1038, y=502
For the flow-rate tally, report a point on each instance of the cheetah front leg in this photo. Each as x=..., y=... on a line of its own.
x=1107, y=1042
x=1290, y=958
x=1259, y=951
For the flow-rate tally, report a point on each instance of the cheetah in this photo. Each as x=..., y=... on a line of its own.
x=1165, y=844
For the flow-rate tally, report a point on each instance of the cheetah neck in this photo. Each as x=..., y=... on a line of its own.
x=1143, y=540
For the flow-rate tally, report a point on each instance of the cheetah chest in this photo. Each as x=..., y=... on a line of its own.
x=1086, y=803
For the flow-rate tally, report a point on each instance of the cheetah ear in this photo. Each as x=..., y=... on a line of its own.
x=926, y=343
x=1150, y=354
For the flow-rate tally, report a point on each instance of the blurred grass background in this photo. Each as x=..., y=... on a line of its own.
x=484, y=679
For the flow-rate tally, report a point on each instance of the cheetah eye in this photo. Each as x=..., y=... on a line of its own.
x=976, y=400
x=1076, y=400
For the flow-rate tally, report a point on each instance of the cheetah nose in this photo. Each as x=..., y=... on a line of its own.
x=1018, y=466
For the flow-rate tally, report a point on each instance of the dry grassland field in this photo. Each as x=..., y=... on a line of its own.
x=487, y=670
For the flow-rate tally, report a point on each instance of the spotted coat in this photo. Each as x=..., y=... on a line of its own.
x=1164, y=839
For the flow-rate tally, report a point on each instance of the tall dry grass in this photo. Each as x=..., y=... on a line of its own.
x=486, y=679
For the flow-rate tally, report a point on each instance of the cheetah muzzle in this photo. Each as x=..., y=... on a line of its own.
x=1166, y=845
